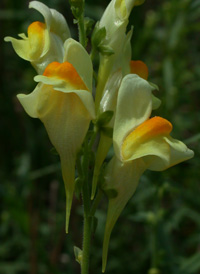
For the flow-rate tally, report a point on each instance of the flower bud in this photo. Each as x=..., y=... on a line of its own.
x=77, y=7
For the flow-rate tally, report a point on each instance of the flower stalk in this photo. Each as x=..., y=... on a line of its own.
x=82, y=33
x=120, y=109
x=86, y=231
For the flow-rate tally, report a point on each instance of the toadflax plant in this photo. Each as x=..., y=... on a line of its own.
x=84, y=118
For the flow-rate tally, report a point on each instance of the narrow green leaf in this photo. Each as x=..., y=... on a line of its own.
x=88, y=22
x=78, y=187
x=104, y=118
x=105, y=50
x=98, y=35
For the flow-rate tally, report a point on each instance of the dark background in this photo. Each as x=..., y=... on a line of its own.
x=160, y=227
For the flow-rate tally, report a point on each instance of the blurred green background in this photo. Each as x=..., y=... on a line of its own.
x=160, y=227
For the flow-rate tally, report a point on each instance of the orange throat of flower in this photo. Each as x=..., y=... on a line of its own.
x=139, y=68
x=67, y=72
x=147, y=131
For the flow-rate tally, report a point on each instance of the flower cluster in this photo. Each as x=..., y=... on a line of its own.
x=63, y=100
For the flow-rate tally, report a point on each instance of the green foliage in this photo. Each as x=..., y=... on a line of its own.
x=159, y=229
x=98, y=40
x=104, y=118
x=77, y=7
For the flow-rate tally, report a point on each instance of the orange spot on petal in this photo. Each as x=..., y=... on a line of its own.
x=65, y=71
x=147, y=131
x=153, y=127
x=36, y=29
x=36, y=36
x=139, y=68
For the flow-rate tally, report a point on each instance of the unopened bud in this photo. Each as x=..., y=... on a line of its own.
x=78, y=254
x=77, y=7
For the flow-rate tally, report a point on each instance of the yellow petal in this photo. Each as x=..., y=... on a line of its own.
x=148, y=130
x=76, y=54
x=34, y=45
x=134, y=106
x=124, y=178
x=66, y=120
x=44, y=43
x=115, y=20
x=68, y=172
x=139, y=68
x=44, y=10
x=65, y=106
x=178, y=152
x=109, y=98
x=155, y=102
x=151, y=142
x=54, y=20
x=64, y=77
x=33, y=101
x=36, y=38
x=65, y=71
x=125, y=57
x=121, y=9
x=145, y=140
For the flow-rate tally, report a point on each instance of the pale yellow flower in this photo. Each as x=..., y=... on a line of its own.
x=140, y=143
x=63, y=102
x=115, y=20
x=44, y=43
x=109, y=101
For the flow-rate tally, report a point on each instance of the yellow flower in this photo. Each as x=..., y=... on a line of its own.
x=109, y=100
x=140, y=143
x=120, y=67
x=63, y=102
x=44, y=43
x=115, y=21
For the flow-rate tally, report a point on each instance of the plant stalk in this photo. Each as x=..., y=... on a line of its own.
x=81, y=28
x=86, y=245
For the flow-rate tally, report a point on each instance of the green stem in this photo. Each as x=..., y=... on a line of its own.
x=81, y=28
x=103, y=73
x=93, y=138
x=93, y=53
x=86, y=230
x=87, y=218
x=86, y=245
x=96, y=202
